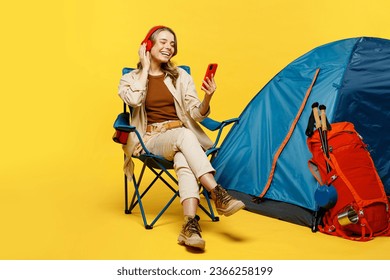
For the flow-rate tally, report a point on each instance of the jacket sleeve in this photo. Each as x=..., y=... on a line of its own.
x=131, y=91
x=191, y=99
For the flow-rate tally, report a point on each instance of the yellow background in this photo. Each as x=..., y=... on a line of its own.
x=61, y=179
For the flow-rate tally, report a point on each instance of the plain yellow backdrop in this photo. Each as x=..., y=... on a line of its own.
x=60, y=67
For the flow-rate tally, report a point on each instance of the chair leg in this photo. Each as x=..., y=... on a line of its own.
x=137, y=196
x=164, y=209
x=127, y=210
x=139, y=200
x=175, y=195
x=209, y=212
x=133, y=201
x=130, y=207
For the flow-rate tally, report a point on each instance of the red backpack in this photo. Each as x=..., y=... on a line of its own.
x=361, y=208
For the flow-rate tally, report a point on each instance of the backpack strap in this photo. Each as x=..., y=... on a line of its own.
x=332, y=161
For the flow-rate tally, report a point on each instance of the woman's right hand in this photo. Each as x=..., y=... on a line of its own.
x=144, y=57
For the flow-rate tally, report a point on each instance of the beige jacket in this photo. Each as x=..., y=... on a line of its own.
x=187, y=107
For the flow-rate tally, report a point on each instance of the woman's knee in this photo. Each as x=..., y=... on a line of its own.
x=180, y=162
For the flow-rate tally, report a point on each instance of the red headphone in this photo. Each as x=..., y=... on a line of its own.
x=149, y=43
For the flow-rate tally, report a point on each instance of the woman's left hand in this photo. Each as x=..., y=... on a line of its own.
x=209, y=86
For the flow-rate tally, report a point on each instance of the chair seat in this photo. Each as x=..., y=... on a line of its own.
x=155, y=161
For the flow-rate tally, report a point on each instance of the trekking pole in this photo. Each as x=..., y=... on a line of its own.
x=319, y=213
x=325, y=196
x=330, y=191
x=324, y=129
x=319, y=128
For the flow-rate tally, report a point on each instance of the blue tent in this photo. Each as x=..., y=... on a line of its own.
x=265, y=154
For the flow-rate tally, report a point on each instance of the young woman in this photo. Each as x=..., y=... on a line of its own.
x=166, y=111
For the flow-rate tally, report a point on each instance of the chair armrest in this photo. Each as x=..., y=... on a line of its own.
x=133, y=129
x=214, y=125
x=121, y=123
x=125, y=128
x=141, y=141
x=211, y=124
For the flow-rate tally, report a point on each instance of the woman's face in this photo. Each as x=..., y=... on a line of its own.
x=163, y=47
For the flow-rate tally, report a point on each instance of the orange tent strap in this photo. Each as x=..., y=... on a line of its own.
x=288, y=136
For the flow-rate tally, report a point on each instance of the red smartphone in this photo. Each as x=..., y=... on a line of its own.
x=211, y=69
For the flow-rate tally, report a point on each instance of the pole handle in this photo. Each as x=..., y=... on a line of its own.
x=316, y=115
x=323, y=118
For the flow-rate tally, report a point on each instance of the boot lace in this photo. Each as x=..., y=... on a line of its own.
x=192, y=227
x=222, y=195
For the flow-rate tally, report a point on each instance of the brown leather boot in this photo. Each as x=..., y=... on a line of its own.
x=224, y=202
x=190, y=234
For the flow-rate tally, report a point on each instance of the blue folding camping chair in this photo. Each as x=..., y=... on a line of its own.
x=160, y=167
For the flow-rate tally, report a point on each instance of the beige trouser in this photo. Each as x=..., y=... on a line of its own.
x=190, y=161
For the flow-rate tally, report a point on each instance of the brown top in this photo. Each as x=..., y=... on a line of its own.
x=159, y=101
